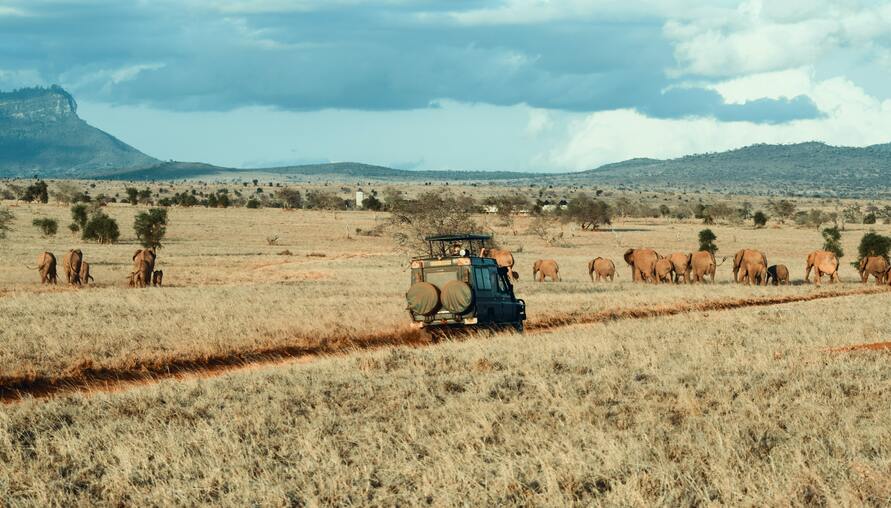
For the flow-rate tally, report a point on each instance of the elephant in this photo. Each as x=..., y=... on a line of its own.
x=143, y=266
x=71, y=263
x=157, y=278
x=85, y=276
x=702, y=263
x=603, y=267
x=642, y=263
x=503, y=258
x=877, y=266
x=823, y=263
x=664, y=270
x=46, y=265
x=750, y=266
x=546, y=268
x=681, y=265
x=779, y=274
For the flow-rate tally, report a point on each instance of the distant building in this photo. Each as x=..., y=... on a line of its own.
x=360, y=198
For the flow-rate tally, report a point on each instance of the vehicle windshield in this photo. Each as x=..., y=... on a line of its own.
x=440, y=278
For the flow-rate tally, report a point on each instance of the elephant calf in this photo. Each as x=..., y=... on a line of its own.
x=46, y=265
x=603, y=267
x=778, y=274
x=85, y=276
x=157, y=278
x=546, y=268
x=664, y=270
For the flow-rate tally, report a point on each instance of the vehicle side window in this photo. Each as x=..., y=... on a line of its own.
x=502, y=283
x=483, y=279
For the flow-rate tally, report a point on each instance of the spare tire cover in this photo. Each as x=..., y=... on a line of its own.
x=456, y=296
x=422, y=297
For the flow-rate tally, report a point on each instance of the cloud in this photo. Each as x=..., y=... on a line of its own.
x=578, y=55
x=852, y=118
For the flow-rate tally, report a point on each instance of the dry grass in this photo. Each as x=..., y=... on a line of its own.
x=228, y=291
x=734, y=407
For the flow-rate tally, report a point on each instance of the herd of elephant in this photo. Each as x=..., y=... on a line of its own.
x=749, y=266
x=77, y=270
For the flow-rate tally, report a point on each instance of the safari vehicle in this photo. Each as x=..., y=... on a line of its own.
x=451, y=286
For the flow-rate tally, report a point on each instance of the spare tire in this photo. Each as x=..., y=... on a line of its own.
x=423, y=298
x=456, y=296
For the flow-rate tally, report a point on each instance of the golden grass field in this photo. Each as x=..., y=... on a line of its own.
x=732, y=407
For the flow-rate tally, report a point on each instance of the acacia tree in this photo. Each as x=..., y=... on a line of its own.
x=832, y=241
x=874, y=244
x=150, y=227
x=587, y=212
x=707, y=241
x=432, y=213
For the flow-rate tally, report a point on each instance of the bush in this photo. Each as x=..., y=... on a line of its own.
x=372, y=203
x=759, y=219
x=252, y=203
x=290, y=197
x=102, y=229
x=150, y=227
x=832, y=241
x=869, y=218
x=6, y=218
x=432, y=213
x=132, y=195
x=79, y=216
x=874, y=244
x=587, y=212
x=36, y=192
x=707, y=241
x=47, y=226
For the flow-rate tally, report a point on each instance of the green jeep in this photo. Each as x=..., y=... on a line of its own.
x=453, y=287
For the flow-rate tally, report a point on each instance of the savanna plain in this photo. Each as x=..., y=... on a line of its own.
x=683, y=394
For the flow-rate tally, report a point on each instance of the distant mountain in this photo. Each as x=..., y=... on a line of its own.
x=802, y=167
x=352, y=170
x=41, y=133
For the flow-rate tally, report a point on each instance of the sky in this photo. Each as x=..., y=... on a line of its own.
x=524, y=85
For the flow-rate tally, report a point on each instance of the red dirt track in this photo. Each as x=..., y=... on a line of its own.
x=87, y=378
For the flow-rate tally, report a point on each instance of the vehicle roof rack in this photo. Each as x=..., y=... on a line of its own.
x=440, y=245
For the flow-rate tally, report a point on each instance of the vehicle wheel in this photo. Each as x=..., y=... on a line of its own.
x=518, y=326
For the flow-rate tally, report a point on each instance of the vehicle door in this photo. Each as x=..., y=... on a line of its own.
x=487, y=305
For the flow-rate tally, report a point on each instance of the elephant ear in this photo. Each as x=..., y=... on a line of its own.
x=136, y=254
x=629, y=256
x=591, y=265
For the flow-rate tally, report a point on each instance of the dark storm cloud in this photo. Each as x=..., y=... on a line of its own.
x=369, y=57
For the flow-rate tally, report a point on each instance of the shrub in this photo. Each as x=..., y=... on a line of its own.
x=36, y=192
x=47, y=226
x=6, y=218
x=252, y=203
x=869, y=218
x=132, y=195
x=707, y=241
x=432, y=213
x=874, y=244
x=102, y=229
x=759, y=219
x=832, y=241
x=150, y=227
x=290, y=197
x=587, y=212
x=372, y=203
x=79, y=216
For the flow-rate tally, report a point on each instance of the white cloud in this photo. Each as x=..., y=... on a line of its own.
x=539, y=122
x=762, y=37
x=853, y=118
